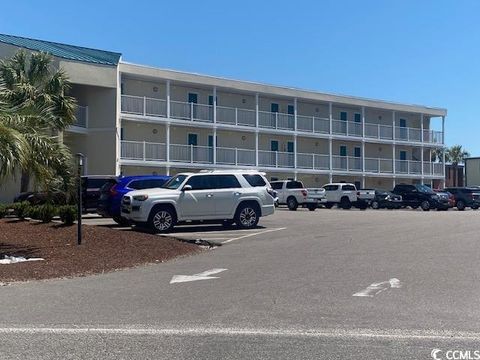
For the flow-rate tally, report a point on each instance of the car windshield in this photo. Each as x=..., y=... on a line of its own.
x=175, y=182
x=424, y=189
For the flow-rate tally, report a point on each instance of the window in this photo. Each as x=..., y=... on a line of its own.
x=274, y=108
x=122, y=133
x=357, y=184
x=210, y=100
x=276, y=185
x=225, y=181
x=291, y=110
x=147, y=184
x=175, y=182
x=343, y=150
x=193, y=139
x=330, y=187
x=358, y=117
x=348, y=187
x=357, y=152
x=200, y=182
x=294, y=185
x=343, y=115
x=255, y=180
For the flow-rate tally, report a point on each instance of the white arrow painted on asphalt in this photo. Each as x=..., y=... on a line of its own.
x=200, y=276
x=377, y=288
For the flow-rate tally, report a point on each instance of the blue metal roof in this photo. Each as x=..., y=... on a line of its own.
x=64, y=51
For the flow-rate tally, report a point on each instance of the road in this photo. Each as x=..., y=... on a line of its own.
x=283, y=294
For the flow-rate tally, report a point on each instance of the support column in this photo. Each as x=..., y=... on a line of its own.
x=295, y=153
x=167, y=143
x=256, y=148
x=214, y=107
x=363, y=182
x=330, y=152
x=363, y=156
x=394, y=153
x=363, y=122
x=295, y=104
x=168, y=99
x=421, y=127
x=256, y=110
x=330, y=116
x=393, y=124
x=443, y=152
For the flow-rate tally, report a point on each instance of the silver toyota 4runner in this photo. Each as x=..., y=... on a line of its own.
x=227, y=197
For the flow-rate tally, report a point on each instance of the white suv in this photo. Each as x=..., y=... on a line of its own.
x=215, y=196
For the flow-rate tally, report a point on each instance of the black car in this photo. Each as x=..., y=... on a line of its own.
x=465, y=197
x=420, y=196
x=91, y=185
x=386, y=200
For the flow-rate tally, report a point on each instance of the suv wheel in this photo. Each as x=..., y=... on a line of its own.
x=247, y=216
x=292, y=203
x=460, y=205
x=162, y=220
x=311, y=207
x=375, y=205
x=425, y=205
x=121, y=221
x=345, y=203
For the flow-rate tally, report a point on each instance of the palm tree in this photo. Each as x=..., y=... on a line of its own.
x=36, y=108
x=456, y=155
x=437, y=155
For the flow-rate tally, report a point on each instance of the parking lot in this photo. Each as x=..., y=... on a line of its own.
x=376, y=283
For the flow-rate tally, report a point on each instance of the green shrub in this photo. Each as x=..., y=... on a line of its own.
x=68, y=214
x=33, y=212
x=44, y=212
x=21, y=209
x=3, y=211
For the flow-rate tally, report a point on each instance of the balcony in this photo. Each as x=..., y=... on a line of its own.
x=192, y=112
x=81, y=116
x=192, y=154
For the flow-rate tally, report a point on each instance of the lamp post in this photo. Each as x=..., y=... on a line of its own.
x=80, y=157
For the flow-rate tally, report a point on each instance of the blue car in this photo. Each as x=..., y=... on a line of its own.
x=112, y=192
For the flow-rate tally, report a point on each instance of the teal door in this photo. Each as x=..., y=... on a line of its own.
x=343, y=158
x=192, y=139
x=193, y=99
x=290, y=146
x=403, y=130
x=274, y=145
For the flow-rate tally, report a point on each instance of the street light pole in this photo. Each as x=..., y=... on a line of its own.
x=80, y=157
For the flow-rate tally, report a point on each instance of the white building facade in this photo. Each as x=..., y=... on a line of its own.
x=135, y=119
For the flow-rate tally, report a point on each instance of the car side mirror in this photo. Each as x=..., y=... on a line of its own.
x=187, y=188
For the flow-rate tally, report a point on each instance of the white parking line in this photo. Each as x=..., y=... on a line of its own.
x=252, y=234
x=425, y=335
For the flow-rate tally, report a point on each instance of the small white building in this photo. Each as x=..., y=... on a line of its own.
x=472, y=171
x=135, y=119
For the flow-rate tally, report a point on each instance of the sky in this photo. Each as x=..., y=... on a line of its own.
x=418, y=52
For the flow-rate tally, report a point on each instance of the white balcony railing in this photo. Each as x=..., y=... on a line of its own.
x=145, y=106
x=81, y=116
x=148, y=151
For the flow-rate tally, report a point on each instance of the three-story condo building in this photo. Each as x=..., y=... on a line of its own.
x=136, y=119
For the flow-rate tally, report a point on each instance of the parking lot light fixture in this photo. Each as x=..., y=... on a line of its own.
x=80, y=158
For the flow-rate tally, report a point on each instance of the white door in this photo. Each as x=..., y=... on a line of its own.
x=197, y=203
x=226, y=195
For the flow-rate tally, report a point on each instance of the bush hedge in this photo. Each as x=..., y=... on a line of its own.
x=45, y=212
x=68, y=214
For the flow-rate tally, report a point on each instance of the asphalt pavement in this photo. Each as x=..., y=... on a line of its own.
x=287, y=293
